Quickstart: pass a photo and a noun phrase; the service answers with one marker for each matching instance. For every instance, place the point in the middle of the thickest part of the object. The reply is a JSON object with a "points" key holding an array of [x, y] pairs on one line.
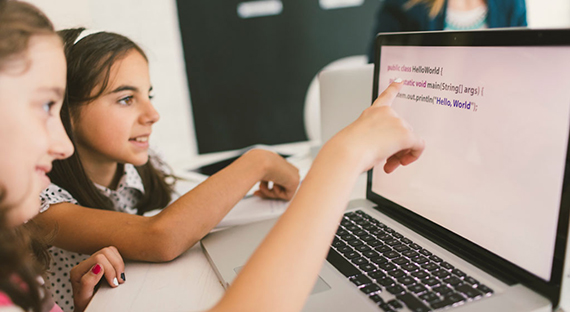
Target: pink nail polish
{"points": [[96, 269]]}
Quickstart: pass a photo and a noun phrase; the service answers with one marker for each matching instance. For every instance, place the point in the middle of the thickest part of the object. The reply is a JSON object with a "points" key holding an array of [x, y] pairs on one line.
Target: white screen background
{"points": [[492, 175]]}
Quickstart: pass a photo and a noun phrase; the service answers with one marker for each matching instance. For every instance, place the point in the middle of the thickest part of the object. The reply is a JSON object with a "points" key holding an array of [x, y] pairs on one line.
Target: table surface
{"points": [[187, 283]]}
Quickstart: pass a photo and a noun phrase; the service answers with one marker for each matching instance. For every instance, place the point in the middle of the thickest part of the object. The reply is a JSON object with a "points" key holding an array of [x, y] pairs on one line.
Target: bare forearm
{"points": [[280, 274], [180, 225], [305, 230], [193, 215]]}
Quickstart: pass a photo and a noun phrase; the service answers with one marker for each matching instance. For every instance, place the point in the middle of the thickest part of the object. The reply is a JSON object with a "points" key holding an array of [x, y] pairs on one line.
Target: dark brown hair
{"points": [[20, 21], [89, 63], [23, 253]]}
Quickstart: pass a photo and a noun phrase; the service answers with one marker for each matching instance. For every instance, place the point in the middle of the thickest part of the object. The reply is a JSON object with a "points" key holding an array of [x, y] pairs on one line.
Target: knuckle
{"points": [[401, 123], [367, 111], [99, 257]]}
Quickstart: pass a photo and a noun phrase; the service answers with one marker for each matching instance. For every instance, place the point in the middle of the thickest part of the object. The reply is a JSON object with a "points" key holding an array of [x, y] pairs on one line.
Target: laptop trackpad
{"points": [[320, 285]]}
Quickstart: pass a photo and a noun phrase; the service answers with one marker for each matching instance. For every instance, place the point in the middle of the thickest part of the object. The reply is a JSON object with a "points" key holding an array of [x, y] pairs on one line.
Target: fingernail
{"points": [[96, 269], [115, 282], [398, 80], [123, 276]]}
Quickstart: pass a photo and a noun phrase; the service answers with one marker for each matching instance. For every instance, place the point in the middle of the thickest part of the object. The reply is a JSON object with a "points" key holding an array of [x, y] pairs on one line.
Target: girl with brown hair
{"points": [[32, 86]]}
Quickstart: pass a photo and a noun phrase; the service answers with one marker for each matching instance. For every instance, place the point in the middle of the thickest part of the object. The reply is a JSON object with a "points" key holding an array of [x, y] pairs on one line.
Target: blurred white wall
{"points": [[154, 25], [548, 13]]}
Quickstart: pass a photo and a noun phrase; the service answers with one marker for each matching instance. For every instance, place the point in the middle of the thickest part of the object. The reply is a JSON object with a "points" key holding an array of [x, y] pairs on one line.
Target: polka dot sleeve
{"points": [[54, 195], [58, 277]]}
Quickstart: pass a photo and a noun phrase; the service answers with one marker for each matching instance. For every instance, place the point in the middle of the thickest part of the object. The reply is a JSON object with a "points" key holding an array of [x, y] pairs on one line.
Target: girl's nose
{"points": [[150, 115], [60, 147]]}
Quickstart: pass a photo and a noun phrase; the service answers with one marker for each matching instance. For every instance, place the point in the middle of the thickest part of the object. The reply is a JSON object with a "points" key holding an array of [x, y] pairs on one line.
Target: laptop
{"points": [[480, 221]]}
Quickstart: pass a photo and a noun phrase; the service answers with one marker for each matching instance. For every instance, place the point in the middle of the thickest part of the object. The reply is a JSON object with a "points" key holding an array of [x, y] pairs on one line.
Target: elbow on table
{"points": [[165, 253], [166, 243]]}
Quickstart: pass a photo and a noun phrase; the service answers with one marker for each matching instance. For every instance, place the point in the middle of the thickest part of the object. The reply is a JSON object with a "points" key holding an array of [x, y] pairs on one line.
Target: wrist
{"points": [[342, 153], [336, 167], [259, 162]]}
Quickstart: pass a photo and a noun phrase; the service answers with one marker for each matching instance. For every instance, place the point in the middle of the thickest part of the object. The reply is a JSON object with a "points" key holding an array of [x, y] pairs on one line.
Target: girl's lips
{"points": [[140, 141], [42, 173], [140, 138]]}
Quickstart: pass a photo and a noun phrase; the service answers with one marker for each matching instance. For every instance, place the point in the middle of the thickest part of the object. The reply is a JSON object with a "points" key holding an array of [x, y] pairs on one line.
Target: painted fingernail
{"points": [[398, 80], [96, 269], [123, 276], [115, 282]]}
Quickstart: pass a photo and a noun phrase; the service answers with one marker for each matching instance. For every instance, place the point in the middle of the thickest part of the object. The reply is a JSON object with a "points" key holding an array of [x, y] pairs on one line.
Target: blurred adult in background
{"points": [[423, 15]]}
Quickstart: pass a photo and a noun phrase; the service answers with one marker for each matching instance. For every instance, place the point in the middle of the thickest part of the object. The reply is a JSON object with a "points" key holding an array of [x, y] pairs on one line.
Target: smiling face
{"points": [[32, 86], [115, 127]]}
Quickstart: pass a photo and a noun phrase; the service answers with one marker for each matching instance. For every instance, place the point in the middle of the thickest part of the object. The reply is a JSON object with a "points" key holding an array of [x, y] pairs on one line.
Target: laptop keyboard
{"points": [[394, 271]]}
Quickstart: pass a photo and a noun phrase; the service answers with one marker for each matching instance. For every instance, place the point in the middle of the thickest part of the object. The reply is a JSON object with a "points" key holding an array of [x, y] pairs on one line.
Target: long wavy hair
{"points": [[435, 6], [89, 63], [23, 252]]}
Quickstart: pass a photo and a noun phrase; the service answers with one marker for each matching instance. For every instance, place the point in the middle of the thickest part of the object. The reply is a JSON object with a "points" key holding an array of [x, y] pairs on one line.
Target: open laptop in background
{"points": [[480, 222]]}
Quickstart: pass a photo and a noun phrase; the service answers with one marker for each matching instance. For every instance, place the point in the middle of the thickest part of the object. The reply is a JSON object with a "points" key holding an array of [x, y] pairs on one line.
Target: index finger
{"points": [[388, 96], [114, 257]]}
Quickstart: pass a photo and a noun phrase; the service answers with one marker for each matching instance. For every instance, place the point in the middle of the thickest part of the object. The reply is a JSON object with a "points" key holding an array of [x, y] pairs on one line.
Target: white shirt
{"points": [[125, 199], [466, 20]]}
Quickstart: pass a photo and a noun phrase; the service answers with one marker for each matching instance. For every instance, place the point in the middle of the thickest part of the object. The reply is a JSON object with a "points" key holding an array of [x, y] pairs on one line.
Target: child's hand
{"points": [[379, 135], [281, 178], [85, 276]]}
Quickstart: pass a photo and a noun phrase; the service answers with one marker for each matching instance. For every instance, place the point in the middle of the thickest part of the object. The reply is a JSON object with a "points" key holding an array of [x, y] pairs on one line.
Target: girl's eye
{"points": [[127, 100], [47, 106]]}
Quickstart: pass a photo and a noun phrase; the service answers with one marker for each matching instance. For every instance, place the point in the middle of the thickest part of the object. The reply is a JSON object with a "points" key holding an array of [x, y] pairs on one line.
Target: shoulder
{"points": [[54, 194], [509, 5], [6, 304], [507, 13], [5, 300]]}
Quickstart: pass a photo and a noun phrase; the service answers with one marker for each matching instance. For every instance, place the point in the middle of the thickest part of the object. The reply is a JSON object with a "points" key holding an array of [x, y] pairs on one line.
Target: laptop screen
{"points": [[496, 121]]}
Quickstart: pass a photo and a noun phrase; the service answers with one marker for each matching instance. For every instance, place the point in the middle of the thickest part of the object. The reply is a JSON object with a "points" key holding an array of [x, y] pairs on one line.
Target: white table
{"points": [[186, 284]]}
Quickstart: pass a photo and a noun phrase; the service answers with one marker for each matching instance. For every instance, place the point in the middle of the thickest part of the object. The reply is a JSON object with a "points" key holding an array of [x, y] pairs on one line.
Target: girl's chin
{"points": [[23, 214], [23, 203], [139, 161]]}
